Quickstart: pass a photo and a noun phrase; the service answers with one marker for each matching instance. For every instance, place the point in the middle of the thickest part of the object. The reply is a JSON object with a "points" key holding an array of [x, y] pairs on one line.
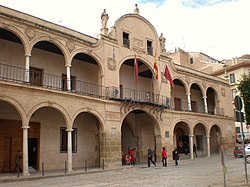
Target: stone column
{"points": [[189, 101], [69, 167], [158, 146], [191, 142], [102, 150], [25, 128], [27, 68], [208, 146], [68, 77], [205, 104]]}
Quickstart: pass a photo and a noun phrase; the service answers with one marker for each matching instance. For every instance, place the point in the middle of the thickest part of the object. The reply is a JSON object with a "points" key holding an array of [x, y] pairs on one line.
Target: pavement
{"points": [[200, 172]]}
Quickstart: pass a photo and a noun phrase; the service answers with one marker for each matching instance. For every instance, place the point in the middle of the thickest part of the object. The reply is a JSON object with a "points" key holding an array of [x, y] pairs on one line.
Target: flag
{"points": [[136, 68], [155, 66], [168, 76]]}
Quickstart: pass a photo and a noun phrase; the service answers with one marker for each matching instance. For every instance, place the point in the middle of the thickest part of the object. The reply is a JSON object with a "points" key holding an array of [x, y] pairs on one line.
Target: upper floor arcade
{"points": [[39, 55]]}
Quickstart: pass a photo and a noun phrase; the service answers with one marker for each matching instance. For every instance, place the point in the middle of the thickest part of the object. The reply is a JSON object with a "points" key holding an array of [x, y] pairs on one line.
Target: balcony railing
{"points": [[19, 75]]}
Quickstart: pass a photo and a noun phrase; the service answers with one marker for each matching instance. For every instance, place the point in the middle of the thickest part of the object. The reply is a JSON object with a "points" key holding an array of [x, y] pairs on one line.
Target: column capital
{"points": [[191, 135], [68, 65], [69, 130], [27, 55], [204, 97], [25, 127], [208, 136], [188, 93]]}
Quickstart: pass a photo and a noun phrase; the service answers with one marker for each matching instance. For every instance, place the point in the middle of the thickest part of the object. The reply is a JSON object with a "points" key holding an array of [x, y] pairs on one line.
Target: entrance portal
{"points": [[32, 151]]}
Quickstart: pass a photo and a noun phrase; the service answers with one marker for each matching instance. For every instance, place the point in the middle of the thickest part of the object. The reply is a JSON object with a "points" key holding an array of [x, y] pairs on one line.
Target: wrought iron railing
{"points": [[19, 75]]}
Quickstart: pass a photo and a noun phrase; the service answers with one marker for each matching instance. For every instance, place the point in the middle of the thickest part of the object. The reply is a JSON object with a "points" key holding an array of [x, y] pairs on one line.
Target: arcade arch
{"points": [[215, 139], [139, 131]]}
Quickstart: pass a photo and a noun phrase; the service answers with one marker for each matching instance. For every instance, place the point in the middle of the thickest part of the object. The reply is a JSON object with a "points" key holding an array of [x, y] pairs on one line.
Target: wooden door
{"points": [[7, 154]]}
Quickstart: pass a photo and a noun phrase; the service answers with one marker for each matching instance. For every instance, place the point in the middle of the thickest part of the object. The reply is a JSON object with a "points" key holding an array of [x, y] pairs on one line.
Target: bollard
{"points": [[18, 170], [65, 166], [85, 165], [103, 164], [42, 169]]}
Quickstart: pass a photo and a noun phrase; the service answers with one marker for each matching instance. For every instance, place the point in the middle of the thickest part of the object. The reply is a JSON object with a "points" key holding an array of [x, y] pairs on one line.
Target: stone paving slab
{"points": [[200, 172]]}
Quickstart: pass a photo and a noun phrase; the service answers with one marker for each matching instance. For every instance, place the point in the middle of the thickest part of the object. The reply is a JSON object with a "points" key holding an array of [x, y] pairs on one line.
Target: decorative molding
{"points": [[139, 51], [111, 64], [223, 92]]}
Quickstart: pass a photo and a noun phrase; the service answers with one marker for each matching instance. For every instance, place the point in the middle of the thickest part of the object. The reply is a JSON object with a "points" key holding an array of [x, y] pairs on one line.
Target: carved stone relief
{"points": [[70, 45], [137, 43], [111, 64], [30, 33]]}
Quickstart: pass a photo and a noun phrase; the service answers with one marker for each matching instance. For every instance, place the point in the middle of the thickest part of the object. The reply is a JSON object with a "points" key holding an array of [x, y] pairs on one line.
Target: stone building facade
{"points": [[66, 97]]}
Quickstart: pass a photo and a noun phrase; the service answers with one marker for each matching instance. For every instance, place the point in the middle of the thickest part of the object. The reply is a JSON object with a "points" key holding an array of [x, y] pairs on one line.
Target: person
{"points": [[132, 156], [164, 157], [194, 149], [104, 18], [150, 156], [18, 158], [176, 156], [185, 148]]}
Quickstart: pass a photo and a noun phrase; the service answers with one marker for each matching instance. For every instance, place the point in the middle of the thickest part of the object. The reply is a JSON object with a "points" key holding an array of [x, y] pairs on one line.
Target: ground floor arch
{"points": [[139, 131], [200, 140], [215, 139], [181, 137], [87, 127]]}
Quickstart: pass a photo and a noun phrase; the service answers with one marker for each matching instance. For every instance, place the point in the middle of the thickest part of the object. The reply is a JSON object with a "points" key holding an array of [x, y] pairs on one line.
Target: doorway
{"points": [[32, 151], [7, 154]]}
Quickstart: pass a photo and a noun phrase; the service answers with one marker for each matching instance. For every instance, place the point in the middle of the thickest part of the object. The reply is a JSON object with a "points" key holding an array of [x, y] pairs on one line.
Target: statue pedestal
{"points": [[104, 31]]}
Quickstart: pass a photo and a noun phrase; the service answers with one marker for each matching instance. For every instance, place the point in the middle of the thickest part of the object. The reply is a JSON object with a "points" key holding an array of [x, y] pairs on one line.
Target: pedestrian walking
{"points": [[132, 156], [18, 158], [176, 156], [164, 157], [150, 156], [194, 149]]}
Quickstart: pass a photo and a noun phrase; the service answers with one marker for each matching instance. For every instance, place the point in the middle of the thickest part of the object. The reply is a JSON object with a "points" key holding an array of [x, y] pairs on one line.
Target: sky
{"points": [[218, 28]]}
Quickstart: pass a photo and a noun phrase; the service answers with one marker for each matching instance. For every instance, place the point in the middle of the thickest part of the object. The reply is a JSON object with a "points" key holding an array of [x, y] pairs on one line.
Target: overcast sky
{"points": [[218, 28]]}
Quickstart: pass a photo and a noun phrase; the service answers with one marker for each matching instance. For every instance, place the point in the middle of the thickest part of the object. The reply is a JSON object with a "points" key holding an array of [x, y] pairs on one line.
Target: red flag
{"points": [[168, 76], [136, 68], [155, 66]]}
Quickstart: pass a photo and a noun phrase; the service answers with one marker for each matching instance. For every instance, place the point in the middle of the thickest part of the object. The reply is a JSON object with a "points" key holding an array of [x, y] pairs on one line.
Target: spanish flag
{"points": [[155, 66]]}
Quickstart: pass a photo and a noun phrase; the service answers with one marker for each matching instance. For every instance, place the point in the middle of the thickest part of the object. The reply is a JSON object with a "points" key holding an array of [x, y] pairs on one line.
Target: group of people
{"points": [[164, 156]]}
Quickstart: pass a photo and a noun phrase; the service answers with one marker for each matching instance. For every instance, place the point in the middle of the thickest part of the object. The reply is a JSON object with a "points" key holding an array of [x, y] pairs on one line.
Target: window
{"points": [[194, 106], [232, 78], [234, 92], [64, 82], [191, 60], [64, 140], [149, 48], [36, 76], [125, 40], [237, 129], [177, 103]]}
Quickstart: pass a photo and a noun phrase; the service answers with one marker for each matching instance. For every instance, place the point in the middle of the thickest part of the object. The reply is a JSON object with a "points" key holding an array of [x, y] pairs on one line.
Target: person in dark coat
{"points": [[18, 158], [194, 149], [150, 156], [176, 156]]}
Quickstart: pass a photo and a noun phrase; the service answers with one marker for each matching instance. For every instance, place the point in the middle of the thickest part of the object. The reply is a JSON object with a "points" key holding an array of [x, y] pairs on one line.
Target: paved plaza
{"points": [[200, 172]]}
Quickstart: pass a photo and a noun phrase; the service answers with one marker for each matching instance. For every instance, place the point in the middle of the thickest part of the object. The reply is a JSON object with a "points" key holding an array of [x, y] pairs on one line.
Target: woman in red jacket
{"points": [[164, 156]]}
